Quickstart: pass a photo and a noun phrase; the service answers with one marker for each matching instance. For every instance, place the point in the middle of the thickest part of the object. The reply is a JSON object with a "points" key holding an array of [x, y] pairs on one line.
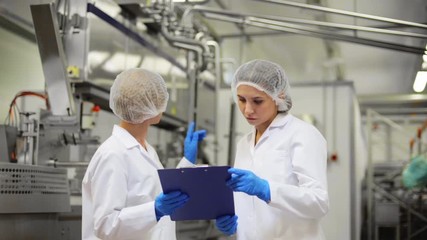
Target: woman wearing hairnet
{"points": [[121, 191], [279, 174]]}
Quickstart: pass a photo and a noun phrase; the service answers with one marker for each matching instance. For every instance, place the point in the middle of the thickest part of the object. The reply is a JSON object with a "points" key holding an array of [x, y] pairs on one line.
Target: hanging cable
{"points": [[13, 113]]}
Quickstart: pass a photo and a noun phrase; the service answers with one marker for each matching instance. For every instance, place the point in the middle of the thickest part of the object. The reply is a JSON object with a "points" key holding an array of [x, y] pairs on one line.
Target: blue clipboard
{"points": [[209, 195]]}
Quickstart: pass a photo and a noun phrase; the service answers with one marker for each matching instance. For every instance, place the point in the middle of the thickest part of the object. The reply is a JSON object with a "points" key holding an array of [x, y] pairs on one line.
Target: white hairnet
{"points": [[137, 95], [265, 76]]}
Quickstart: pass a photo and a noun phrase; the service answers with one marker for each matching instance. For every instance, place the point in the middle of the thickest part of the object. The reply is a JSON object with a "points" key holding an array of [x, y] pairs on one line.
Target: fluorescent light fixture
{"points": [[121, 61], [207, 76], [156, 64], [96, 58], [425, 58], [110, 8], [420, 81], [177, 72], [163, 66], [141, 26]]}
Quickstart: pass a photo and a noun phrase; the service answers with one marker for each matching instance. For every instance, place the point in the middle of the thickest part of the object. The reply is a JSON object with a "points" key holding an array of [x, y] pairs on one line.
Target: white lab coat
{"points": [[119, 189], [291, 156]]}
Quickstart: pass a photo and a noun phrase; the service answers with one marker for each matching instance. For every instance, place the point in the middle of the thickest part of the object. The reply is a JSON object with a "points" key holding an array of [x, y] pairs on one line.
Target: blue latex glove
{"points": [[166, 203], [249, 183], [227, 224], [191, 142]]}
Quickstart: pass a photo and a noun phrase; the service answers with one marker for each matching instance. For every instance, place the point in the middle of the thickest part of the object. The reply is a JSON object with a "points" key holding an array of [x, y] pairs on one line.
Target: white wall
{"points": [[21, 69]]}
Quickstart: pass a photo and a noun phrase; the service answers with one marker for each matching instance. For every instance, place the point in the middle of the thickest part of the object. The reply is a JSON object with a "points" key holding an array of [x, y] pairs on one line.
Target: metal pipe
{"points": [[191, 48], [55, 163], [187, 17], [231, 130], [215, 45], [396, 126], [193, 87], [370, 172], [388, 139], [346, 13], [311, 22], [324, 35], [231, 135], [341, 26], [135, 36], [251, 34], [355, 191], [199, 37], [173, 39], [418, 232], [399, 201], [409, 225], [185, 43]]}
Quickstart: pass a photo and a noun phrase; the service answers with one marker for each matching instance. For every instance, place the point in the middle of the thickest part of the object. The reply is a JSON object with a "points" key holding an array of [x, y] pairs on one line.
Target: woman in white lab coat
{"points": [[121, 193], [279, 174]]}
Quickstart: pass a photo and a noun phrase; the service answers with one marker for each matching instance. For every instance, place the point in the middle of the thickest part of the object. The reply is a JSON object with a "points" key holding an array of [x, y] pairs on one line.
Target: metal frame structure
{"points": [[62, 127], [128, 32], [298, 26], [375, 184]]}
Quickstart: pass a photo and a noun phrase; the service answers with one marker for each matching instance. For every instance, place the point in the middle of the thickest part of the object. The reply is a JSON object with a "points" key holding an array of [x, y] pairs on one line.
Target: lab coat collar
{"points": [[125, 137], [280, 120]]}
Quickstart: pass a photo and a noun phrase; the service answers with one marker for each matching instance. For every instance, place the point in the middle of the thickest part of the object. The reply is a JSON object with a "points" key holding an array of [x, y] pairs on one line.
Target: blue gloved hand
{"points": [[227, 224], [247, 182], [166, 203], [191, 142]]}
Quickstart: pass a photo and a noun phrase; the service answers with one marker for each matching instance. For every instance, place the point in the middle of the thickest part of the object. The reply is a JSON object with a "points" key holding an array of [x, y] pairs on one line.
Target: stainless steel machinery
{"points": [[41, 178]]}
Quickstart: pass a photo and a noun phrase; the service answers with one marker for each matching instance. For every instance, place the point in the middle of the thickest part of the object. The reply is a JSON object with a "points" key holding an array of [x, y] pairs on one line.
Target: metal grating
{"points": [[28, 188]]}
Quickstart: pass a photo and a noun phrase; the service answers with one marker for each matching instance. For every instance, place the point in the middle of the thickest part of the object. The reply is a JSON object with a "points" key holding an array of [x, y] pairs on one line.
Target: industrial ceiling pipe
{"points": [[346, 13], [302, 30], [278, 19]]}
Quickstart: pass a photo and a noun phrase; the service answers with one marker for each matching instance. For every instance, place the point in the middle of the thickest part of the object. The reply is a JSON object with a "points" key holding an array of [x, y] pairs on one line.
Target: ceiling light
{"points": [[96, 58], [420, 81], [141, 26], [121, 61], [207, 76], [156, 64], [177, 72], [110, 8]]}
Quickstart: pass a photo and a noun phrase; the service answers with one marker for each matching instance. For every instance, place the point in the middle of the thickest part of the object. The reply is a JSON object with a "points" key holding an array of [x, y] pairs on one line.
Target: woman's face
{"points": [[257, 107]]}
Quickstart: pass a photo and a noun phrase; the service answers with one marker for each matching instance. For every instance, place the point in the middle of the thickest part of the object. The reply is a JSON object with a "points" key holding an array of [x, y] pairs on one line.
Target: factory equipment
{"points": [[44, 155], [395, 206], [415, 173], [8, 135], [32, 198]]}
